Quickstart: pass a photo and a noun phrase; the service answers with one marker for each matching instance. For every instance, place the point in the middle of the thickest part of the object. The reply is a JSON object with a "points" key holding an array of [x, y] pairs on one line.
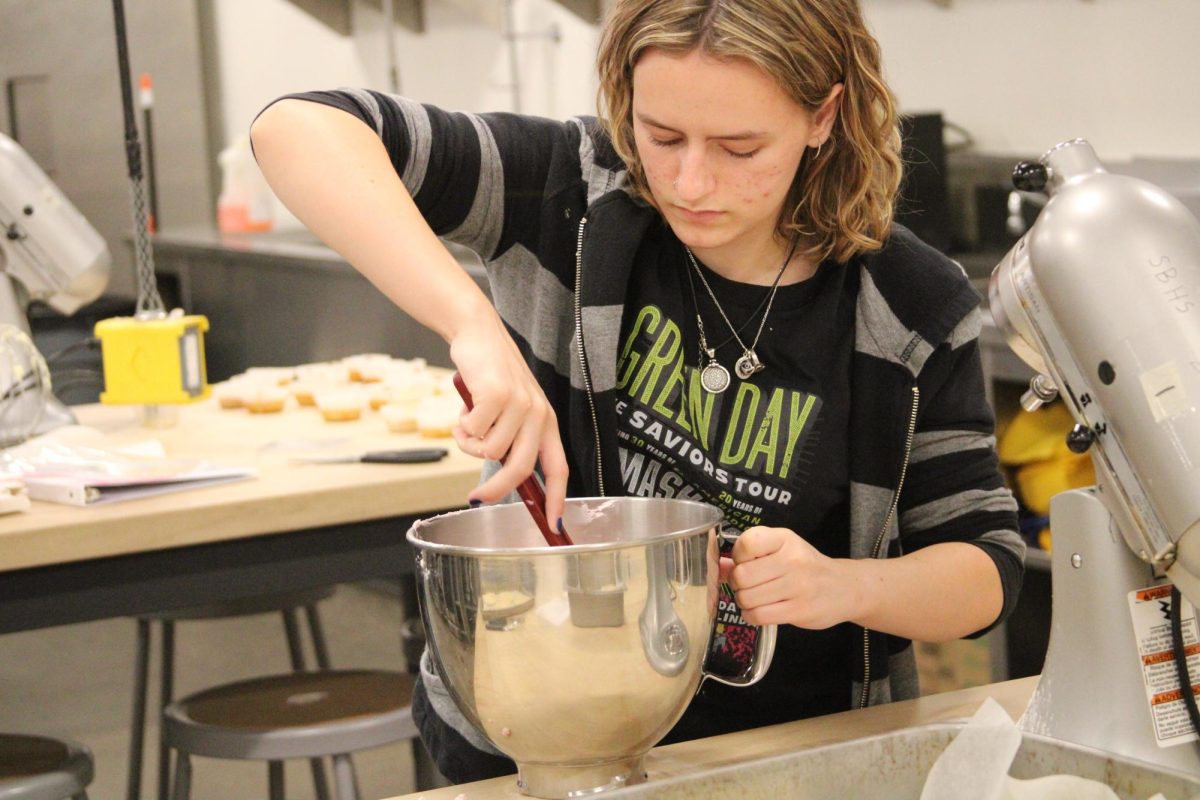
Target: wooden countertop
{"points": [[688, 758], [286, 496]]}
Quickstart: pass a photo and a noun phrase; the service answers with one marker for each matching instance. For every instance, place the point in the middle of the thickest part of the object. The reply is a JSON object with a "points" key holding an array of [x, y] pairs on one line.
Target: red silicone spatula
{"points": [[530, 490]]}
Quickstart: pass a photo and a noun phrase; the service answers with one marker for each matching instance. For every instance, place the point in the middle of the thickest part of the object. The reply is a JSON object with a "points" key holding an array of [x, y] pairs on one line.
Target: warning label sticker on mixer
{"points": [[1151, 610]]}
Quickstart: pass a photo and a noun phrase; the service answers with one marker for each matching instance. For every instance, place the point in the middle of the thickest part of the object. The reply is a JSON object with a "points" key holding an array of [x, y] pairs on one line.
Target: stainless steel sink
{"points": [[894, 766]]}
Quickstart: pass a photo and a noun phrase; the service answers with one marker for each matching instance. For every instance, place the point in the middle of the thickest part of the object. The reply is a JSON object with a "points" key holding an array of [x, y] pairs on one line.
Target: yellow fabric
{"points": [[1041, 480], [1036, 436], [1035, 446], [1043, 540]]}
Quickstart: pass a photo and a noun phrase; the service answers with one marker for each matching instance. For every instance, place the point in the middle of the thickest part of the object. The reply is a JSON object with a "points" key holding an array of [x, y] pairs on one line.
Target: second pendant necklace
{"points": [[714, 377]]}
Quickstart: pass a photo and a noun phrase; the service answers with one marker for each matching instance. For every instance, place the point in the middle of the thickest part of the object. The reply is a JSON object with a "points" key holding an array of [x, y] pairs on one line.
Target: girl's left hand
{"points": [[779, 578]]}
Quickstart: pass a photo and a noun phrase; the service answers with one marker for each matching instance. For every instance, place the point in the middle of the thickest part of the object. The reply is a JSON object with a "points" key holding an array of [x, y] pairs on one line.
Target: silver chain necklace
{"points": [[713, 376]]}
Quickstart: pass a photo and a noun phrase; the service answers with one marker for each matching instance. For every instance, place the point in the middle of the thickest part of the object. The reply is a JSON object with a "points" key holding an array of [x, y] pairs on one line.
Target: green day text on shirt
{"points": [[741, 450]]}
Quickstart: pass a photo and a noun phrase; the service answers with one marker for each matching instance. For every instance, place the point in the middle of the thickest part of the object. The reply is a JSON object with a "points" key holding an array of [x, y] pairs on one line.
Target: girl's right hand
{"points": [[511, 418]]}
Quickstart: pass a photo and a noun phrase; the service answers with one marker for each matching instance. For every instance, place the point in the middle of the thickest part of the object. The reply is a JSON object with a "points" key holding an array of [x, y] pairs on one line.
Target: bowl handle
{"points": [[760, 661], [739, 654]]}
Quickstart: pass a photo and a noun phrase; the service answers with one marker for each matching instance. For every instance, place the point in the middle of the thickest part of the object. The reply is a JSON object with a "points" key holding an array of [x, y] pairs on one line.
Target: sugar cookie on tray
{"points": [[378, 395], [264, 399], [279, 376], [340, 405], [229, 393], [366, 367], [305, 391], [438, 416], [400, 417]]}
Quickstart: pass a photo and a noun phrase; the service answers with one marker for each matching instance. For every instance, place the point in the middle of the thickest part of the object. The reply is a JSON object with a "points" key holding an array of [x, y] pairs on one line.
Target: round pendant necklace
{"points": [[714, 377]]}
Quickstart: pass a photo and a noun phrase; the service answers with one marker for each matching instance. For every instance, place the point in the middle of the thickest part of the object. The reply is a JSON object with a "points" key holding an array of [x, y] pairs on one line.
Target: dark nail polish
{"points": [[560, 527], [474, 503]]}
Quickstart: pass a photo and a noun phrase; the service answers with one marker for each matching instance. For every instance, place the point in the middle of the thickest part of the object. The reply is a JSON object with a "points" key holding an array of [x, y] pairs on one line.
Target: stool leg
{"points": [[318, 636], [344, 779], [275, 779], [317, 632], [167, 691], [182, 789], [137, 726], [291, 624]]}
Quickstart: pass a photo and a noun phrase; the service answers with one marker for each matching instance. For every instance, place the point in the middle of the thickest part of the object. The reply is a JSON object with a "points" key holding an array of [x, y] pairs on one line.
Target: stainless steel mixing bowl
{"points": [[574, 661]]}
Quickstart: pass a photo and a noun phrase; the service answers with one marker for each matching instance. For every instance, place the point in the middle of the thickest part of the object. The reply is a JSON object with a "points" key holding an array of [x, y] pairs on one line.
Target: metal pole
{"points": [[149, 303], [514, 74], [389, 36]]}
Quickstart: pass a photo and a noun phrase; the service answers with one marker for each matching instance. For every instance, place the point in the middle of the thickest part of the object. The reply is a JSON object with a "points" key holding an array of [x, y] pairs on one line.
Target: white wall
{"points": [[1022, 75], [1019, 75], [269, 47]]}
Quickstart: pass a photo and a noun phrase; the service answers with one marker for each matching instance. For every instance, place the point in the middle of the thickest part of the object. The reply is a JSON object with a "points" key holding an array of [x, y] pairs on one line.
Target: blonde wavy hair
{"points": [[841, 200]]}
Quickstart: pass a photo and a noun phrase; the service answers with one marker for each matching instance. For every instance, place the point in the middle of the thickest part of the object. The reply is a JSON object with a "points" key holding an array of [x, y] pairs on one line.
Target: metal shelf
{"points": [[337, 14]]}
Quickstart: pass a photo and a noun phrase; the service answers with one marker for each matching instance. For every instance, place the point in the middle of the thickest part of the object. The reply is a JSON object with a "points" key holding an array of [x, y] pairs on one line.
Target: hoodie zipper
{"points": [[908, 442], [583, 366]]}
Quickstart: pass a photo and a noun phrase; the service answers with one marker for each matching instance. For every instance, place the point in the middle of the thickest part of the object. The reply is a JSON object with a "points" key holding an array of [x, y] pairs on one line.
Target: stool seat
{"points": [[288, 602], [294, 715], [40, 768]]}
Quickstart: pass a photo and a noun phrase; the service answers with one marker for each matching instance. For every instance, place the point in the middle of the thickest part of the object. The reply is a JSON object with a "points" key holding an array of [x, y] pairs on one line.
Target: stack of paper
{"points": [[60, 468]]}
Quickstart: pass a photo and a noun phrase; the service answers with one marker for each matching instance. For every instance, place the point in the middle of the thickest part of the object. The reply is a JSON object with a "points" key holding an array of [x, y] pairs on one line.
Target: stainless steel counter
{"points": [[285, 298], [700, 760]]}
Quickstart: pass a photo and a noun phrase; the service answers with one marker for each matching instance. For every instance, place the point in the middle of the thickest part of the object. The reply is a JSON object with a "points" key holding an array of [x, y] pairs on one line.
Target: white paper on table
{"points": [[75, 466], [14, 498], [81, 490], [976, 763]]}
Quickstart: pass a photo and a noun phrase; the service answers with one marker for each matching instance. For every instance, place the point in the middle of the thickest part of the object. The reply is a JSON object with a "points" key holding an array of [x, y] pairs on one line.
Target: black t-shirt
{"points": [[770, 450]]}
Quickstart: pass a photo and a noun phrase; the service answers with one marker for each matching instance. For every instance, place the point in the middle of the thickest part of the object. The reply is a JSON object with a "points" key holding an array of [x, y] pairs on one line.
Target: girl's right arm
{"points": [[335, 175]]}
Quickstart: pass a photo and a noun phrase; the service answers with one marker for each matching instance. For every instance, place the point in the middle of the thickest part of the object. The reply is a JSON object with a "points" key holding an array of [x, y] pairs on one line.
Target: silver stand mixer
{"points": [[1102, 298], [48, 252]]}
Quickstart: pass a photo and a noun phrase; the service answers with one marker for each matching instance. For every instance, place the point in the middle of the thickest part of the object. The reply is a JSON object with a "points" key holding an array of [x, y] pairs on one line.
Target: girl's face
{"points": [[720, 143]]}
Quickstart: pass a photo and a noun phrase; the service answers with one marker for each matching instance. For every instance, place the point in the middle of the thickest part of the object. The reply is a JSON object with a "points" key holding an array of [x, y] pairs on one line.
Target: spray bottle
{"points": [[245, 202]]}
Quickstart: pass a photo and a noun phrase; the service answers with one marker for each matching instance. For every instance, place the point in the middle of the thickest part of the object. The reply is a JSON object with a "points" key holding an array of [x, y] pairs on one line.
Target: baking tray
{"points": [[893, 766]]}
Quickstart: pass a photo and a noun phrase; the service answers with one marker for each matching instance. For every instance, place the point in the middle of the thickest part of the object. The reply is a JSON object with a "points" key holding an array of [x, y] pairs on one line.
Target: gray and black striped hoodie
{"points": [[546, 206]]}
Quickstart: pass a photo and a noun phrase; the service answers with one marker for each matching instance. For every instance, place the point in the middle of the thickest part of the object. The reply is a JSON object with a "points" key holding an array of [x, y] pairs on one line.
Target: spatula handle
{"points": [[530, 490]]}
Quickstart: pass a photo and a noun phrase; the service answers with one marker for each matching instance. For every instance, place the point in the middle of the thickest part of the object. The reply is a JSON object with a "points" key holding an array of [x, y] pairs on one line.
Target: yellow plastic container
{"points": [[153, 361]]}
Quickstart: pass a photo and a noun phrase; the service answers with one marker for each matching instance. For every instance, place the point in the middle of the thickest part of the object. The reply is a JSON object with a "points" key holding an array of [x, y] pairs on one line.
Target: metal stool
{"points": [[38, 768], [296, 715], [288, 604]]}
